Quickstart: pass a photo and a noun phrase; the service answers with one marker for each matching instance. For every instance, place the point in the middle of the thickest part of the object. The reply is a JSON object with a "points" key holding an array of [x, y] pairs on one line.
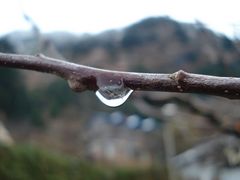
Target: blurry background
{"points": [[49, 132]]}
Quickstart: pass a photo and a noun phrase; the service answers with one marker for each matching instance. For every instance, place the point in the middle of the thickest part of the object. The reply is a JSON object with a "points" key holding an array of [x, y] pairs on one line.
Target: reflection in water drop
{"points": [[113, 96]]}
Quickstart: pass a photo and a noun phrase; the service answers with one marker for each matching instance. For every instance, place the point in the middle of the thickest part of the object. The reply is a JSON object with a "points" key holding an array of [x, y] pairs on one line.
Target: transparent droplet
{"points": [[113, 95]]}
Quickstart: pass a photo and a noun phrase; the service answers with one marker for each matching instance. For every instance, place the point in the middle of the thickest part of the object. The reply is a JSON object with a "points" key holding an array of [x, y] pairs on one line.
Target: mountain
{"points": [[157, 44]]}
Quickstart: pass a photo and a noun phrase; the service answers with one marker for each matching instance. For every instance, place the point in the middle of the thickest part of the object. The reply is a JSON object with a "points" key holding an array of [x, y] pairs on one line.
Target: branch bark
{"points": [[82, 78]]}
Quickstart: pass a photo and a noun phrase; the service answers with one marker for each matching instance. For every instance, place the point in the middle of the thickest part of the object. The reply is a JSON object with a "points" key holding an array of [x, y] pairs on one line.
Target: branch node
{"points": [[76, 85], [178, 76]]}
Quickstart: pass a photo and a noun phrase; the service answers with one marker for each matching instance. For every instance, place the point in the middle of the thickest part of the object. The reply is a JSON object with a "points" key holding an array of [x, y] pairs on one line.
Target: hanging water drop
{"points": [[112, 91], [113, 97]]}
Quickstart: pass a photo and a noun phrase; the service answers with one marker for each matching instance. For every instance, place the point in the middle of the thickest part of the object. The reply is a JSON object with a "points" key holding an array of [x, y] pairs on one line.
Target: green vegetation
{"points": [[27, 163], [55, 97]]}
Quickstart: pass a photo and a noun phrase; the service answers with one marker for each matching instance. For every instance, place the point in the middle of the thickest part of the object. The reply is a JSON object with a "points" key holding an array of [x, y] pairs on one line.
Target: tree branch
{"points": [[210, 116], [82, 78]]}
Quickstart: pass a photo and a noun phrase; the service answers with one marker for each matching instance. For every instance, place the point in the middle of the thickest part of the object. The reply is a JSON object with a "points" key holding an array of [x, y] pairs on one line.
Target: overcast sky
{"points": [[93, 16]]}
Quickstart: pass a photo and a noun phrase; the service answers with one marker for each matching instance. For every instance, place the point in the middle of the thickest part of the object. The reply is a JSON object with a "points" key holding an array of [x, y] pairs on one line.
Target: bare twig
{"points": [[82, 78], [210, 116], [187, 104]]}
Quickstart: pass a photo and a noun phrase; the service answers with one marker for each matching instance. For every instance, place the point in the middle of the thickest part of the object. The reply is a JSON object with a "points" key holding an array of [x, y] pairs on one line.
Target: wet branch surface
{"points": [[81, 78]]}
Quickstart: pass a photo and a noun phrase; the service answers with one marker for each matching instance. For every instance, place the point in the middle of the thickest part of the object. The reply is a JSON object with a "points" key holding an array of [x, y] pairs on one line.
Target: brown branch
{"points": [[187, 104], [210, 116], [82, 78]]}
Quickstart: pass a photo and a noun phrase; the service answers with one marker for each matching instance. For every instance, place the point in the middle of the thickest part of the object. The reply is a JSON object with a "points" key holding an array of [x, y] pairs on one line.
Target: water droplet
{"points": [[113, 97], [112, 90]]}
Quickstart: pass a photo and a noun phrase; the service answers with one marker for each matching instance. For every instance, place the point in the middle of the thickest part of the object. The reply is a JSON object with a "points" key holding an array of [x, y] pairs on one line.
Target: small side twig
{"points": [[82, 78], [215, 121]]}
